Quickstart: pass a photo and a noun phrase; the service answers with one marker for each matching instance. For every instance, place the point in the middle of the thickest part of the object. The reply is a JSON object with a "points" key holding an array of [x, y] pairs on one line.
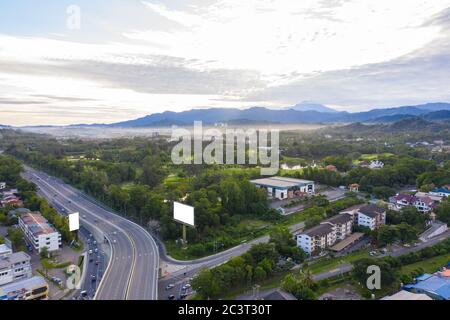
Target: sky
{"points": [[102, 61]]}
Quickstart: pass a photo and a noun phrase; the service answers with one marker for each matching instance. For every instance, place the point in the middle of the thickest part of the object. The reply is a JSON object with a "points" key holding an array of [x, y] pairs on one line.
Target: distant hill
{"points": [[307, 106], [416, 124], [289, 115]]}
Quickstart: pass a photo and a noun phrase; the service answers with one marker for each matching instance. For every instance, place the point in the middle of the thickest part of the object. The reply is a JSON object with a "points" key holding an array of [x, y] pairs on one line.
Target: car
{"points": [[90, 235], [93, 278], [69, 201], [90, 251], [170, 286], [182, 296], [95, 220], [171, 297], [95, 242], [186, 286], [90, 259], [115, 233], [114, 241], [83, 293], [84, 216], [97, 263], [95, 250]]}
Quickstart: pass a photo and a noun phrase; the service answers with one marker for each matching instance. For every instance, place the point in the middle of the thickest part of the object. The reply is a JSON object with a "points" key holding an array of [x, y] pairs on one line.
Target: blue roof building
{"points": [[436, 286]]}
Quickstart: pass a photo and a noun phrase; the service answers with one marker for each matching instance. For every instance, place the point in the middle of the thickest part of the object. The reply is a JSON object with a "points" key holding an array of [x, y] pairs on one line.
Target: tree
{"points": [[259, 274], [389, 272], [443, 211], [207, 284], [387, 235]]}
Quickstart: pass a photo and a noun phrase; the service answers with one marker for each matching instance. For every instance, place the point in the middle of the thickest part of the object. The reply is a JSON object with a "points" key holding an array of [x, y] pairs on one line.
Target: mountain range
{"points": [[300, 113]]}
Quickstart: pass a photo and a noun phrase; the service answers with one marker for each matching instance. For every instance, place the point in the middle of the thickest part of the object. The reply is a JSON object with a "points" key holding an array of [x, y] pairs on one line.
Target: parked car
{"points": [[170, 286], [171, 297]]}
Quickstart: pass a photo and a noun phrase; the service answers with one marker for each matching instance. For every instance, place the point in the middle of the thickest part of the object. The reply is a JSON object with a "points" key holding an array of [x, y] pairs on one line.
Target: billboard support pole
{"points": [[184, 234]]}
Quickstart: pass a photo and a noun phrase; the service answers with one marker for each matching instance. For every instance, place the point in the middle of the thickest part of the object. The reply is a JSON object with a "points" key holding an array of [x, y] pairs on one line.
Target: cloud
{"points": [[232, 53]]}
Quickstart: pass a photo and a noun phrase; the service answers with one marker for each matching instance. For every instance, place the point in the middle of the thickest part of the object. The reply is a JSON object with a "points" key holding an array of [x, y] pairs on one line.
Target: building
{"points": [[436, 286], [325, 235], [39, 232], [371, 216], [433, 197], [285, 188], [354, 187], [317, 238], [406, 295], [442, 192], [14, 266], [5, 250], [27, 289], [342, 225], [376, 164], [424, 204], [2, 185], [421, 201], [331, 167], [353, 211]]}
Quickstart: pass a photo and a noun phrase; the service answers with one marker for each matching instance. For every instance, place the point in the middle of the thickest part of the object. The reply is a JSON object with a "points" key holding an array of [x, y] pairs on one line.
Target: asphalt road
{"points": [[132, 269]]}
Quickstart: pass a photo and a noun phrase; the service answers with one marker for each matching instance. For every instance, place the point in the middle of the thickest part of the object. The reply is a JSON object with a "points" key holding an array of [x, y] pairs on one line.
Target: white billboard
{"points": [[183, 213], [74, 221]]}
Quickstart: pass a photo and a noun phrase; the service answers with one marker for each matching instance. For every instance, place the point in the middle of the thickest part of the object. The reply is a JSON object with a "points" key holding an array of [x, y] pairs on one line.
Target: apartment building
{"points": [[342, 225], [317, 238], [39, 232], [371, 216], [326, 234], [14, 266]]}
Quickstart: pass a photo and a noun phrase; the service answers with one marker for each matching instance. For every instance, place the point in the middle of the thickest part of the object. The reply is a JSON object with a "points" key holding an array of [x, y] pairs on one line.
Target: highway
{"points": [[132, 269]]}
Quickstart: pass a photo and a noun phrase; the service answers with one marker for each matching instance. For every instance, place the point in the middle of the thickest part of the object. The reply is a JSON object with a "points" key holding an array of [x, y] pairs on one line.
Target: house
{"points": [[2, 185], [354, 187], [421, 203], [10, 198], [371, 216], [442, 192], [433, 197], [39, 232], [284, 188], [376, 164], [14, 266], [331, 167], [364, 164], [424, 204]]}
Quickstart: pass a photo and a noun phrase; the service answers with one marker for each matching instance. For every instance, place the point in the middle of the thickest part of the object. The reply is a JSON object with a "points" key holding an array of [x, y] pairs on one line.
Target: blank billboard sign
{"points": [[74, 221], [183, 213]]}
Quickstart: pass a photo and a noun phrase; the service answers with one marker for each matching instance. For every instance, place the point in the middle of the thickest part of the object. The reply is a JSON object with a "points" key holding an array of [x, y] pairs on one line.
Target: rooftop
{"points": [[7, 261], [26, 284], [37, 223], [438, 285], [406, 295], [320, 230], [281, 182], [340, 218], [347, 241], [371, 210]]}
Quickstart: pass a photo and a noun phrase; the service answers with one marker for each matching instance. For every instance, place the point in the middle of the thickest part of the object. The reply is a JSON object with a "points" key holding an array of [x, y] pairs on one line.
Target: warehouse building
{"points": [[285, 188]]}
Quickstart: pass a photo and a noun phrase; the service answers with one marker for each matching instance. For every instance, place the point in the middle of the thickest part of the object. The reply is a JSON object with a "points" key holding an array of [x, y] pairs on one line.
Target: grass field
{"points": [[327, 264], [429, 266]]}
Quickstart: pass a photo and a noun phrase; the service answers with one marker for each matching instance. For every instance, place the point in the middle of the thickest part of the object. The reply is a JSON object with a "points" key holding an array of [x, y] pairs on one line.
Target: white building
{"points": [[316, 238], [326, 234], [39, 232], [2, 185], [5, 250], [376, 164], [14, 266], [284, 188], [371, 216], [26, 289]]}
